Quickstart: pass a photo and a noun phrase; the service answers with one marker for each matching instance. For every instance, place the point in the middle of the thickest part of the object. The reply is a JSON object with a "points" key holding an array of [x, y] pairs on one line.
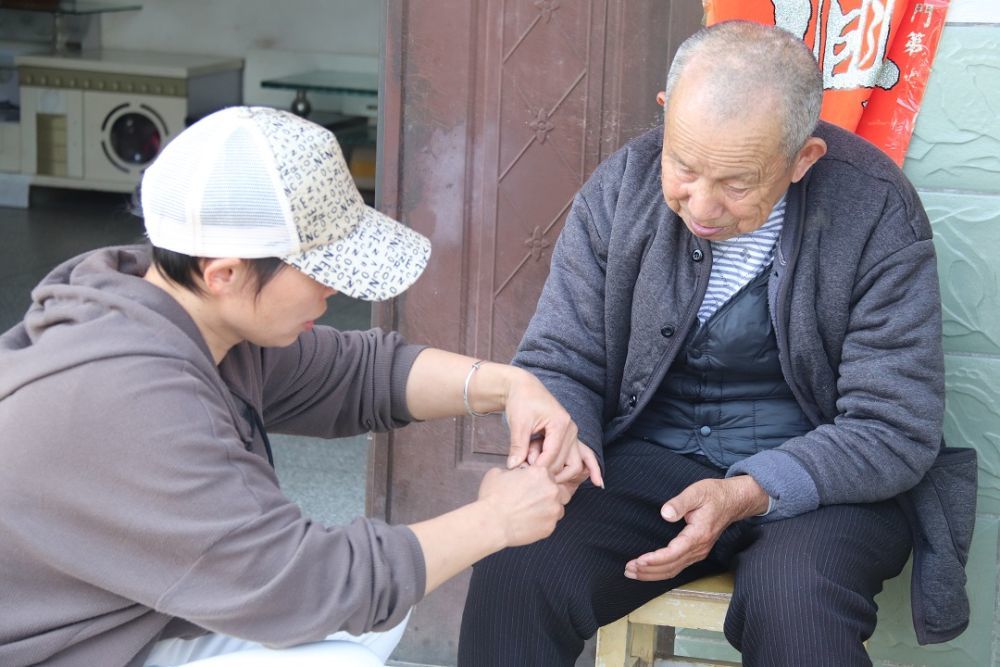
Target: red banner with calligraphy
{"points": [[875, 56]]}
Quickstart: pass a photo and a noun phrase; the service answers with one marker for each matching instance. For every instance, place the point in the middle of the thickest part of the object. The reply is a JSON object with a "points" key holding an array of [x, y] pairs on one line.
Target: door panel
{"points": [[542, 64], [494, 113]]}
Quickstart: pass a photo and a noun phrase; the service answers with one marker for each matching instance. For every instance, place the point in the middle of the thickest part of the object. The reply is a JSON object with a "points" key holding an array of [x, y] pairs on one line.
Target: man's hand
{"points": [[571, 476], [542, 433], [708, 507]]}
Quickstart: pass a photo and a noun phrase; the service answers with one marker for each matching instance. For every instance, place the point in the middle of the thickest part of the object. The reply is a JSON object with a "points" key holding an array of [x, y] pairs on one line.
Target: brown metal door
{"points": [[494, 113]]}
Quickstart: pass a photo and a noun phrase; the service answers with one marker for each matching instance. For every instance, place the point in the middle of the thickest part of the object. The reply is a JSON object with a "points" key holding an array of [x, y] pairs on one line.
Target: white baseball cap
{"points": [[254, 182]]}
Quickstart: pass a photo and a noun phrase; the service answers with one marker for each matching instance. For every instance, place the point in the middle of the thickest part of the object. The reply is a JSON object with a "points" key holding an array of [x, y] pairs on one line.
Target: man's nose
{"points": [[703, 203]]}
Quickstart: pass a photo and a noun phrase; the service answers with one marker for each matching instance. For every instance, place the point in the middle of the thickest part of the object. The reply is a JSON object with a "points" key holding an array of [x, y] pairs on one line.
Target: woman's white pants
{"points": [[371, 649]]}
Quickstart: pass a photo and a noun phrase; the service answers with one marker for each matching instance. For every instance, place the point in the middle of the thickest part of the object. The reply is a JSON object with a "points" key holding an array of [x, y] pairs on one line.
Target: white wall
{"points": [[223, 27], [274, 38], [974, 11], [233, 27]]}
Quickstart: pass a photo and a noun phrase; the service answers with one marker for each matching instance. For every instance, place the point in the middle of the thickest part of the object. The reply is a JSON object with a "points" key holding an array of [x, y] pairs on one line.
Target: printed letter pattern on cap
{"points": [[261, 182]]}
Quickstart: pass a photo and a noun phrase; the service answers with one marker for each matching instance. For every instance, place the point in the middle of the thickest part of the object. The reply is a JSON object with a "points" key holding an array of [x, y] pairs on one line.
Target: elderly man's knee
{"points": [[529, 576], [774, 598]]}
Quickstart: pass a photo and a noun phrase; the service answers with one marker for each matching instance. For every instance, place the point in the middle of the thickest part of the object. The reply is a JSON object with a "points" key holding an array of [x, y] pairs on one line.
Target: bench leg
{"points": [[642, 643], [611, 641]]}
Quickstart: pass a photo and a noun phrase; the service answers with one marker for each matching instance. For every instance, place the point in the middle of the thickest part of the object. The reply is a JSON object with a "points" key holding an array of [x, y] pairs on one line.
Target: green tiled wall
{"points": [[972, 419], [956, 142], [894, 643], [954, 161], [967, 239]]}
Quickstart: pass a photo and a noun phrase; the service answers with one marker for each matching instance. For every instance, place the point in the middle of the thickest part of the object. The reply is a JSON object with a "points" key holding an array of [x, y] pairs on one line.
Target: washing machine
{"points": [[96, 120], [125, 133]]}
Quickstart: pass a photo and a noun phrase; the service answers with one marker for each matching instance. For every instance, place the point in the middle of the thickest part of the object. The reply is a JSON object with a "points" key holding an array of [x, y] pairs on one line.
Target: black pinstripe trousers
{"points": [[804, 586]]}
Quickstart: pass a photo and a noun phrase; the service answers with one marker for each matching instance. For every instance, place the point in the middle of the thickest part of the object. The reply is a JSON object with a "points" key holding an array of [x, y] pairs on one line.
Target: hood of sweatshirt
{"points": [[83, 299]]}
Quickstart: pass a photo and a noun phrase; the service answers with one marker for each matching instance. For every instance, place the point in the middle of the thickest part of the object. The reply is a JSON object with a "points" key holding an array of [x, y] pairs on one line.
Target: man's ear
{"points": [[661, 97], [223, 275], [814, 149]]}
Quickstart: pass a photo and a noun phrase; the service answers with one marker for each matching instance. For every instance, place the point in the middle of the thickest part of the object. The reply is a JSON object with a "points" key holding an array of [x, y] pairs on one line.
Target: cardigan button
{"points": [[697, 255], [667, 331], [632, 400]]}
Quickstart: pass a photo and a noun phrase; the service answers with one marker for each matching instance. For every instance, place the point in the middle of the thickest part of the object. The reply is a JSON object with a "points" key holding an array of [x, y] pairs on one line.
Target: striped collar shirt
{"points": [[737, 261]]}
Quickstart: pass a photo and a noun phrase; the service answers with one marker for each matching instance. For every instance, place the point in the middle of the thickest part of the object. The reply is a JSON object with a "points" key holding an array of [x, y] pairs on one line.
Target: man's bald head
{"points": [[740, 68]]}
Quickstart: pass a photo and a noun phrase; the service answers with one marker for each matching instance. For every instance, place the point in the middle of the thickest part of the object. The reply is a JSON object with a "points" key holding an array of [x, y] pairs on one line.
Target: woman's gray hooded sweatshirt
{"points": [[136, 499]]}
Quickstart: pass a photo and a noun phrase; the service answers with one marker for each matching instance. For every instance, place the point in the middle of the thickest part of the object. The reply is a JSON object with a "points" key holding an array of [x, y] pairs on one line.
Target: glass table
{"points": [[324, 81], [356, 134], [69, 6], [63, 8]]}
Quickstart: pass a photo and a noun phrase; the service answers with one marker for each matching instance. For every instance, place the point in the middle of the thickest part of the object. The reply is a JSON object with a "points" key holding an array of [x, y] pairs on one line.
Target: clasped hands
{"points": [[543, 434], [546, 463]]}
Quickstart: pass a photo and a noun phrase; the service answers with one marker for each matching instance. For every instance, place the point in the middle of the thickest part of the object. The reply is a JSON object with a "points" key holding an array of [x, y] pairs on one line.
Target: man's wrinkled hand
{"points": [[708, 507], [579, 466]]}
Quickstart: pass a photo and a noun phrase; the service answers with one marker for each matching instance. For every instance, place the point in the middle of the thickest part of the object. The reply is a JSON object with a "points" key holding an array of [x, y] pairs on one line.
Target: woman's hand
{"points": [[542, 433], [443, 384], [515, 507], [526, 501]]}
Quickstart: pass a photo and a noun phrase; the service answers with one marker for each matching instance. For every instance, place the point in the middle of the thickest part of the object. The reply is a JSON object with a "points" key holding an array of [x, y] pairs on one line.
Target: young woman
{"points": [[141, 521]]}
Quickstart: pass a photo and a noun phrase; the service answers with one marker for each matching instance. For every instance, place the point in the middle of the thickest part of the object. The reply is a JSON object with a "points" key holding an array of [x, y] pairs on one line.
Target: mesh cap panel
{"points": [[250, 215]]}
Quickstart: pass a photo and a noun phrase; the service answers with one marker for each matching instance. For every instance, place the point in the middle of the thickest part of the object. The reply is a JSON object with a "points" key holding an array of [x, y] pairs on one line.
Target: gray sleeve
{"points": [[255, 566], [281, 580], [164, 506], [564, 345], [334, 383]]}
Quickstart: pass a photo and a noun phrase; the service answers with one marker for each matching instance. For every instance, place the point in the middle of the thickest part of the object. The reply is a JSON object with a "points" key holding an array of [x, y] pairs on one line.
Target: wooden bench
{"points": [[632, 639]]}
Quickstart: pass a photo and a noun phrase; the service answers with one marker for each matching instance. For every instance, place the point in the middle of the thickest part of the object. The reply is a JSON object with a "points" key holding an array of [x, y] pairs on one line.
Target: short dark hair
{"points": [[183, 270]]}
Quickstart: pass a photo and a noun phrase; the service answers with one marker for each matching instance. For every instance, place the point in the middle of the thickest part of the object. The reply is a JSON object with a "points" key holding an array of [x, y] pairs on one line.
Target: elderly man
{"points": [[743, 318]]}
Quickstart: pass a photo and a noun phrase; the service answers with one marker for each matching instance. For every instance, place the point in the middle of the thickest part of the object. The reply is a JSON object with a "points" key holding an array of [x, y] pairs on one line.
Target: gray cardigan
{"points": [[854, 300]]}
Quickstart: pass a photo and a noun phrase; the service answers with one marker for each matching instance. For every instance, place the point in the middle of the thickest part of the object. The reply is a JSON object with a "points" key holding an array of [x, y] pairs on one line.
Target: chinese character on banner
{"points": [[875, 56]]}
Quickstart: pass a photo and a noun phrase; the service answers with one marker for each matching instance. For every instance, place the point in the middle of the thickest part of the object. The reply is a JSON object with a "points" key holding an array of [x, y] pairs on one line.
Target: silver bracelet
{"points": [[465, 391]]}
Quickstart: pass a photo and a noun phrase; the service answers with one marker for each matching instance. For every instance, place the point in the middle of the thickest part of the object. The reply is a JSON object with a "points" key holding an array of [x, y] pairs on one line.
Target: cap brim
{"points": [[377, 261]]}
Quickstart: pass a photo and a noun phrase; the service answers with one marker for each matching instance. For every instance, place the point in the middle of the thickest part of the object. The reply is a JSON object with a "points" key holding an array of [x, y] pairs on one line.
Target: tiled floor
{"points": [[327, 478]]}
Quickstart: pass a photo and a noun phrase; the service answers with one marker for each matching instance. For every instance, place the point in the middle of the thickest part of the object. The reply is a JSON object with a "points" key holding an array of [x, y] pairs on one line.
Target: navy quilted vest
{"points": [[725, 396]]}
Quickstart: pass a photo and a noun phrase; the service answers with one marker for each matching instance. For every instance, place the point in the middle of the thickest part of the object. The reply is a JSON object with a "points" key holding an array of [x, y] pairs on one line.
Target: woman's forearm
{"points": [[514, 507], [454, 541], [434, 388]]}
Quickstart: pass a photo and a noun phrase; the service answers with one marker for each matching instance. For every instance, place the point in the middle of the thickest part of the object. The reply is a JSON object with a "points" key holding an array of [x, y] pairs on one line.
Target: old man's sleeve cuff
{"points": [[784, 479]]}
